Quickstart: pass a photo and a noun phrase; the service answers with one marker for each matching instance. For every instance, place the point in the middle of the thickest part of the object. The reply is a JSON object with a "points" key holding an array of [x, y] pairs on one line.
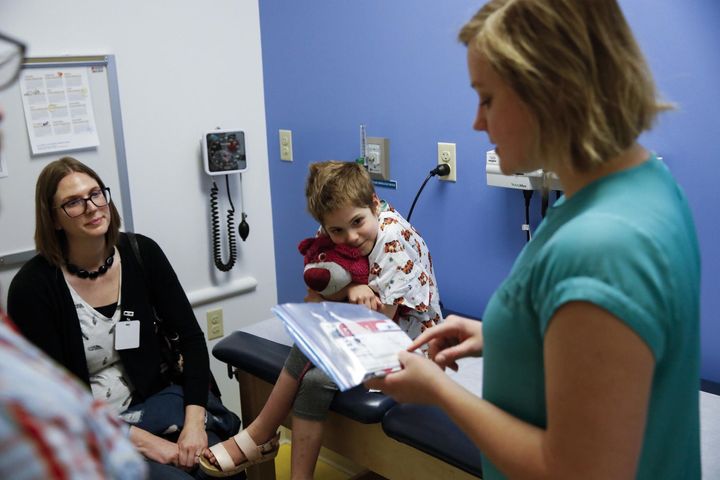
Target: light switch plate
{"points": [[286, 148]]}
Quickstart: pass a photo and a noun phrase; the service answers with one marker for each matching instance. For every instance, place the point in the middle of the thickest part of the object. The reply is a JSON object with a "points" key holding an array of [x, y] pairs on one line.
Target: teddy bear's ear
{"points": [[305, 245]]}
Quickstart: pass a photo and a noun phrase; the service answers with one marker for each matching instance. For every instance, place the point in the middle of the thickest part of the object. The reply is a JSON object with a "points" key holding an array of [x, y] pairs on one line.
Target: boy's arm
{"points": [[359, 294], [313, 296], [362, 294], [339, 296], [389, 310]]}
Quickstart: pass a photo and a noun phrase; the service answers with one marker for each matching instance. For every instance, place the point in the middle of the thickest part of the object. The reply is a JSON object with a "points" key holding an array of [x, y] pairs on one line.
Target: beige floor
{"points": [[325, 469]]}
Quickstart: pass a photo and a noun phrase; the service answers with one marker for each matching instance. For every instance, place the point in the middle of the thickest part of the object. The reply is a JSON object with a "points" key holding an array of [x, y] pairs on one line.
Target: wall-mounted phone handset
{"points": [[224, 154]]}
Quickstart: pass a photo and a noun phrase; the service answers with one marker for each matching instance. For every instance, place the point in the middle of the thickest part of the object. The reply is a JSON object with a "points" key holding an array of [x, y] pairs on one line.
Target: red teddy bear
{"points": [[330, 267]]}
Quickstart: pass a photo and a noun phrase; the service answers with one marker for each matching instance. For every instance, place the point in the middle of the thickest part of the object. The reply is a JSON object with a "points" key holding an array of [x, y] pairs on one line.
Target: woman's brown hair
{"points": [[50, 242], [577, 66]]}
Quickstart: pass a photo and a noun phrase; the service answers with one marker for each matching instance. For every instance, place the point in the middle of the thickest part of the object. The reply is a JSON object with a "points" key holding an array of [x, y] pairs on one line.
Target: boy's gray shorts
{"points": [[316, 390]]}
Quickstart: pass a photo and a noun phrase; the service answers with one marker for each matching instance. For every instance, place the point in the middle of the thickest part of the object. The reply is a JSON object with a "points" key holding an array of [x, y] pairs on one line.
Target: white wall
{"points": [[184, 67]]}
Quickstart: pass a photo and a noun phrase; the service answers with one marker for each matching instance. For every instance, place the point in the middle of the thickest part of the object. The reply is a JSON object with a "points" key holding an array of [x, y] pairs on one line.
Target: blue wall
{"points": [[396, 66]]}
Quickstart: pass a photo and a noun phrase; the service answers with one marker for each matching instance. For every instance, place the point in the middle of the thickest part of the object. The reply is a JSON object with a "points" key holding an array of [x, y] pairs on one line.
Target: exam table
{"points": [[369, 428], [393, 440]]}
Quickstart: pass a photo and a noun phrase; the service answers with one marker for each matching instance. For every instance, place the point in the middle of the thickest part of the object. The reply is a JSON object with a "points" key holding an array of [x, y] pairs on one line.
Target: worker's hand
{"points": [[455, 338], [420, 380], [363, 295]]}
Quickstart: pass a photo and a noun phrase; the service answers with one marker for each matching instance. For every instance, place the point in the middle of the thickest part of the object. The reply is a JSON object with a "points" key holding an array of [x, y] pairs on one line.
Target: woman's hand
{"points": [[363, 295], [193, 438], [419, 381], [457, 337], [163, 451], [153, 447]]}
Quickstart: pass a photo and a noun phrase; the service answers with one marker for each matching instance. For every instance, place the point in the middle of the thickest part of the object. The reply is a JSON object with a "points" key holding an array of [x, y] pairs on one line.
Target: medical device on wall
{"points": [[375, 157], [362, 159], [527, 182], [224, 154], [523, 181]]}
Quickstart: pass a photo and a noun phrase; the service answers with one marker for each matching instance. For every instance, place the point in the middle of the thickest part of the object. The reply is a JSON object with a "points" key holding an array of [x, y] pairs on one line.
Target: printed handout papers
{"points": [[350, 343], [58, 109]]}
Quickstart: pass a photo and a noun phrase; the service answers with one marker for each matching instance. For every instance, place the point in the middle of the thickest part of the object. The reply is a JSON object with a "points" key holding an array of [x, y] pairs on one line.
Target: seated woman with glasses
{"points": [[88, 299], [41, 404]]}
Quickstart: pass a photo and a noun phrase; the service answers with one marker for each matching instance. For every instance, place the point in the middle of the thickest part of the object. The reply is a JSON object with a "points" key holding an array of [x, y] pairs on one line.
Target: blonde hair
{"points": [[577, 66], [50, 242], [333, 185]]}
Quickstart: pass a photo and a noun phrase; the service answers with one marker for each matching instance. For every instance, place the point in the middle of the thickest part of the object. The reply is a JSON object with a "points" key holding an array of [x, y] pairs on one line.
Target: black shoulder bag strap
{"points": [[168, 341], [136, 249], [171, 339]]}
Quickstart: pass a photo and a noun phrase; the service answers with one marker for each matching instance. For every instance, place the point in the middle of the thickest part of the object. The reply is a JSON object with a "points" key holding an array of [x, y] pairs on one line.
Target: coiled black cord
{"points": [[217, 244]]}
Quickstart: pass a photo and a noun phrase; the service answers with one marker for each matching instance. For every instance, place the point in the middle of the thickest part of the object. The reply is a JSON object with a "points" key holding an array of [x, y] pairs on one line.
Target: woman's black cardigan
{"points": [[39, 302]]}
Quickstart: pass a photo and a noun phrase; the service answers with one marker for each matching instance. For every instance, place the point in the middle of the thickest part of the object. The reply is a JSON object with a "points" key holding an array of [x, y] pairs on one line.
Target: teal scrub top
{"points": [[627, 244]]}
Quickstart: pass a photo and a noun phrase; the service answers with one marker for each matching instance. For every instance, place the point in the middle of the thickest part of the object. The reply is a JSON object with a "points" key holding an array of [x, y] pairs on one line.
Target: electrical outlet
{"points": [[446, 155], [214, 323], [286, 150]]}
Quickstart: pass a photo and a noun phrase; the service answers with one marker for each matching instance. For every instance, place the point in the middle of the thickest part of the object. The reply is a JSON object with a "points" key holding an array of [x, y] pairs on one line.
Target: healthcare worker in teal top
{"points": [[591, 345]]}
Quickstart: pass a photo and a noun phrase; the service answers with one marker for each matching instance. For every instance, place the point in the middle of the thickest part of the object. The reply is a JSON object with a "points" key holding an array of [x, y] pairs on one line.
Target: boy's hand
{"points": [[363, 295]]}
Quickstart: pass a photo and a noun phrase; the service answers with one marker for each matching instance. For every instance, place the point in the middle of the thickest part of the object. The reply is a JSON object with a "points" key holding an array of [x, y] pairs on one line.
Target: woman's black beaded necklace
{"points": [[77, 271]]}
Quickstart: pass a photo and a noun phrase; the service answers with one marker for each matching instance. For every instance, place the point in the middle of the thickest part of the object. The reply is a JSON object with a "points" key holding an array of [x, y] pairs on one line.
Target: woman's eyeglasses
{"points": [[78, 206], [12, 54]]}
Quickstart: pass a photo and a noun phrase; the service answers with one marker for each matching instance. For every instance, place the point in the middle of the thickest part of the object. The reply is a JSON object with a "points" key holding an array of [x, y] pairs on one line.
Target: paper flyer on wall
{"points": [[350, 343], [58, 109]]}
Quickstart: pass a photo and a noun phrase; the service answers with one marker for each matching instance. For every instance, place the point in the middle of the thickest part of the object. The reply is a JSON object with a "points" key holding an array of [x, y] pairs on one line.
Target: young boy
{"points": [[401, 284]]}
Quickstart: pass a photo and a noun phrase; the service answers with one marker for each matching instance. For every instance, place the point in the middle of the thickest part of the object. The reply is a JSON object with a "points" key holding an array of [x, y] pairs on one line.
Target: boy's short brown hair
{"points": [[332, 185]]}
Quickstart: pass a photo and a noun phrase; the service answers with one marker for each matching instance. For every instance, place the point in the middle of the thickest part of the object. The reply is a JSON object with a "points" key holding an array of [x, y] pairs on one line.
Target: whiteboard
{"points": [[17, 189]]}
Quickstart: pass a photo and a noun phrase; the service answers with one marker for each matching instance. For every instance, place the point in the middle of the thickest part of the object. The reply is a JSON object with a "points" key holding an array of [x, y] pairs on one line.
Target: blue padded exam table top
{"points": [[265, 358]]}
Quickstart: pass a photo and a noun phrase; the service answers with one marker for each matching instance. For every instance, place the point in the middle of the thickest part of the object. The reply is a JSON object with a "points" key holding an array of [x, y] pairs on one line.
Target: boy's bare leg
{"points": [[306, 442], [273, 413]]}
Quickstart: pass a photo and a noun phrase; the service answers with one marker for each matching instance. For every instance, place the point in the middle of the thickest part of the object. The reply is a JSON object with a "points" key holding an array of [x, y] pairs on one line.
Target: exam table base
{"points": [[364, 444]]}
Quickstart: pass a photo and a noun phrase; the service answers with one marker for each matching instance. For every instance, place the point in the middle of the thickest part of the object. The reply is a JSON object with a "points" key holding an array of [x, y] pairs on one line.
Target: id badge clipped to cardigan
{"points": [[127, 333]]}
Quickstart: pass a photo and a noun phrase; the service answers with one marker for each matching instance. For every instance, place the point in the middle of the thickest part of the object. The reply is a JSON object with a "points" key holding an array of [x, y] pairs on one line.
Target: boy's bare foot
{"points": [[233, 450]]}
